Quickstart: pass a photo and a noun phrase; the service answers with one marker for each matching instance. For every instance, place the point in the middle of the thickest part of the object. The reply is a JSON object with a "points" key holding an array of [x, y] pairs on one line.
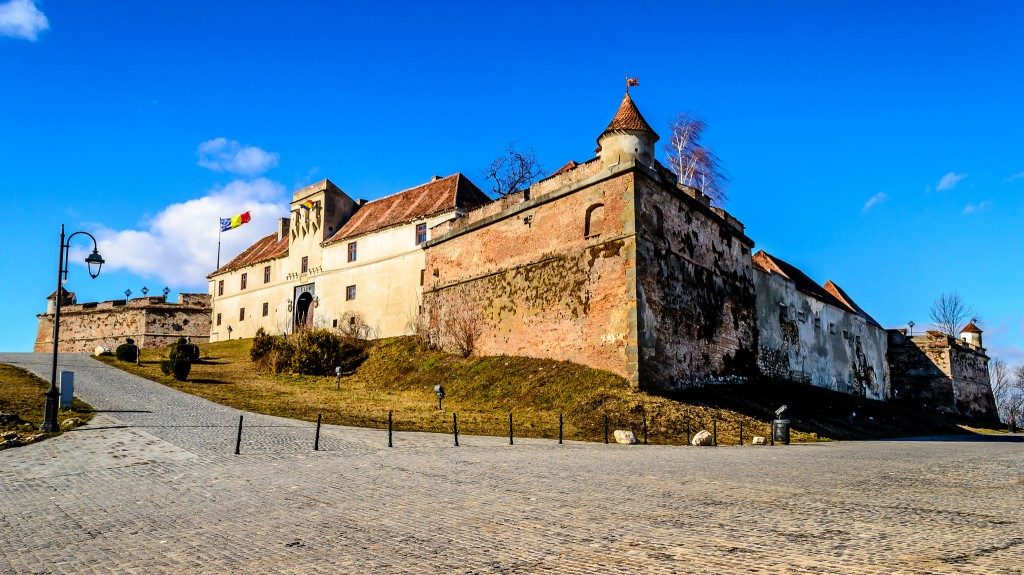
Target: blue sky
{"points": [[874, 144]]}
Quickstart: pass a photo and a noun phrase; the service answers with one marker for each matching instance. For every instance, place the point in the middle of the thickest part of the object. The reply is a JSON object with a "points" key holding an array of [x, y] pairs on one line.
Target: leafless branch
{"points": [[949, 313], [697, 166], [513, 171]]}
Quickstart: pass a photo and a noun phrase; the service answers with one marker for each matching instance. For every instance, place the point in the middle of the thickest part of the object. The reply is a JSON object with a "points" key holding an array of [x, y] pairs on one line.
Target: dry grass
{"points": [[21, 393], [399, 376]]}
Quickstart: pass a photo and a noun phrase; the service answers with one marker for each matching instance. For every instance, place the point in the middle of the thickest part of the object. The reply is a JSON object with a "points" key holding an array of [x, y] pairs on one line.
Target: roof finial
{"points": [[631, 82]]}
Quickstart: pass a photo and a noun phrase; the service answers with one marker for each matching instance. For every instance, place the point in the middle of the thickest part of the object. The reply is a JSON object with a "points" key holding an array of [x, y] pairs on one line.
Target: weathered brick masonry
{"points": [[150, 321]]}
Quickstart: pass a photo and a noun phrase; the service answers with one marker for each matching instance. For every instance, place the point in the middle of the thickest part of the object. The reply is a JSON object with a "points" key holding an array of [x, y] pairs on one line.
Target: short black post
{"points": [[389, 430], [238, 442], [316, 441], [606, 429], [687, 432], [455, 428], [560, 424], [510, 441], [741, 432], [771, 434], [645, 430], [714, 432]]}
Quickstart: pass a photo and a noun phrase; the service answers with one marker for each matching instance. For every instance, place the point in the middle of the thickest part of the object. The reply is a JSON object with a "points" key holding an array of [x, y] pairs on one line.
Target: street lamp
{"points": [[167, 290], [94, 262], [145, 291], [910, 324], [439, 392], [127, 294]]}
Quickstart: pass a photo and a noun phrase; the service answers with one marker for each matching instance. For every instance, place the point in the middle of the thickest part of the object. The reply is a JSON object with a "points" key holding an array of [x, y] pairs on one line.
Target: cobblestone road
{"points": [[151, 485]]}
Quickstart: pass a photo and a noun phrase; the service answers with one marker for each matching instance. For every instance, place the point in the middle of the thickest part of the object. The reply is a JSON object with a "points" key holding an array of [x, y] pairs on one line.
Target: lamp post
{"points": [[127, 294], [167, 290], [95, 262], [145, 291], [910, 324]]}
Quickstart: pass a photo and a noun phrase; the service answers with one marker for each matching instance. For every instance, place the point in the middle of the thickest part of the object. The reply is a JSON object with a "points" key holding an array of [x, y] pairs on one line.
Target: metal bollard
{"points": [[560, 424], [741, 432], [645, 430], [606, 429], [687, 432], [771, 436], [238, 441], [389, 430], [714, 432], [510, 441], [316, 441], [455, 428]]}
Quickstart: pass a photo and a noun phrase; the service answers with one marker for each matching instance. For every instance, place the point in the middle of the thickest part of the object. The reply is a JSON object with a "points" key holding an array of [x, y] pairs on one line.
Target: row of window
{"points": [[421, 236], [350, 294]]}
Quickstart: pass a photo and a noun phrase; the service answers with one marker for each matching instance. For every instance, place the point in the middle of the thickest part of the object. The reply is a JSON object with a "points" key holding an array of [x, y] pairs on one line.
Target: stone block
{"points": [[703, 437], [625, 436]]}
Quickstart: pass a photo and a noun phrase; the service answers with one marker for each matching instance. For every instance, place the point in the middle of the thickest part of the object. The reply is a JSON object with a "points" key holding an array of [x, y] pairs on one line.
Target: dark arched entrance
{"points": [[304, 311]]}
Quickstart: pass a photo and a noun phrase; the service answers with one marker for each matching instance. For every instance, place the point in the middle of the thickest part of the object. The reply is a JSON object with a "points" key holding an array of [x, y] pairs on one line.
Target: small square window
{"points": [[352, 251], [350, 293], [305, 264], [220, 287], [266, 275], [218, 319], [241, 314], [335, 324], [245, 280], [422, 273], [421, 233], [266, 309]]}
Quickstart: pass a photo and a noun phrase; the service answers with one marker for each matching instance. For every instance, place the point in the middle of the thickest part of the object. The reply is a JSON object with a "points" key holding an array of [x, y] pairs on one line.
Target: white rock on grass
{"points": [[703, 437], [759, 440], [625, 436]]}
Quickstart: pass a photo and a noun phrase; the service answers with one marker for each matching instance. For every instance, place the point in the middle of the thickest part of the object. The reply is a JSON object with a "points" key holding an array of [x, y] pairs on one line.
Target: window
{"points": [[266, 275], [245, 280], [421, 233], [241, 314], [595, 218], [422, 273], [352, 251], [218, 319], [305, 264], [220, 287], [266, 309], [350, 293], [335, 324]]}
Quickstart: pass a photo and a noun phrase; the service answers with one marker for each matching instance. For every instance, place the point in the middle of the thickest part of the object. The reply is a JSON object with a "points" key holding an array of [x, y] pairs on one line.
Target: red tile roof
{"points": [[434, 197], [629, 118], [971, 328], [67, 295], [569, 166], [264, 250], [842, 296]]}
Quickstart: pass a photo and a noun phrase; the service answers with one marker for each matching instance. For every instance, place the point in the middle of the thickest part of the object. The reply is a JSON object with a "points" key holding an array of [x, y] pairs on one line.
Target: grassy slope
{"points": [[399, 376], [21, 393]]}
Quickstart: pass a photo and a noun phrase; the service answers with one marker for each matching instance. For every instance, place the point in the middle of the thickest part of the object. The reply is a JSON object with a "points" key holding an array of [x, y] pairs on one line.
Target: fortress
{"points": [[608, 262]]}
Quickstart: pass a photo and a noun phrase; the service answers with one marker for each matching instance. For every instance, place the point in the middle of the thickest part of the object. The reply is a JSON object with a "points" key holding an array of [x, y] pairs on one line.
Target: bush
{"points": [[127, 351], [262, 345], [317, 352], [179, 360], [281, 353]]}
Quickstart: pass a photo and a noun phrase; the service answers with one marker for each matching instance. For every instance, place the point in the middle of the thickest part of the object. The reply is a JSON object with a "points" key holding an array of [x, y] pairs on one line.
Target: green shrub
{"points": [[280, 357], [127, 351], [179, 360], [316, 352]]}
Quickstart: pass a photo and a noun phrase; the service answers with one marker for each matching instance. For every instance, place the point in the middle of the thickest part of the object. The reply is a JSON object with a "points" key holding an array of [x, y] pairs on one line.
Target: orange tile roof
{"points": [[454, 191], [842, 296], [629, 118], [971, 328], [264, 250]]}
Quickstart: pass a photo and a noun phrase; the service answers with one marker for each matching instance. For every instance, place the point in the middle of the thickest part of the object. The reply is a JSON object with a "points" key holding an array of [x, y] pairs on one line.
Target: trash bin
{"points": [[67, 388], [780, 431]]}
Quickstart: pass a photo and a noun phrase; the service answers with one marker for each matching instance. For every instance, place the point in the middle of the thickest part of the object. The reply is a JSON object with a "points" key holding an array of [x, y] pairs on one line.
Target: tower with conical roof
{"points": [[971, 334], [627, 137]]}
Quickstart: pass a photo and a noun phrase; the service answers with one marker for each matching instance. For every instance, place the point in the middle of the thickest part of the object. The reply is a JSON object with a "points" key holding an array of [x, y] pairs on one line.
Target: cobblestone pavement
{"points": [[152, 486]]}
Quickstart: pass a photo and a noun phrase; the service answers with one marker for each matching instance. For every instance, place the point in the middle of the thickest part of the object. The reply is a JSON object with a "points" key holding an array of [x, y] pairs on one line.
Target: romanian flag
{"points": [[234, 221], [308, 204]]}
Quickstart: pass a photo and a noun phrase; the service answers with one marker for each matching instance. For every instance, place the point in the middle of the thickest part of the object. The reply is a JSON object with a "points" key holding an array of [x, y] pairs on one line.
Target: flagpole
{"points": [[219, 230]]}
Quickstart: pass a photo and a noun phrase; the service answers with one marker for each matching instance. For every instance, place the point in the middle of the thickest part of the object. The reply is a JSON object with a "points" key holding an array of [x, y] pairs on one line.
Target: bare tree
{"points": [[1002, 380], [949, 313], [1015, 401], [513, 171], [695, 164], [462, 328]]}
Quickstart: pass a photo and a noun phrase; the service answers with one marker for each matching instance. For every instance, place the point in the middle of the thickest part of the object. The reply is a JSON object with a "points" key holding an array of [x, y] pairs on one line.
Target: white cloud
{"points": [[224, 155], [973, 208], [874, 201], [1017, 176], [179, 244], [949, 181], [21, 19]]}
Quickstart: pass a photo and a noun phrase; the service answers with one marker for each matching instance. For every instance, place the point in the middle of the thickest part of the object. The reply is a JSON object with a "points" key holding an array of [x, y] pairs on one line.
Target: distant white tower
{"points": [[971, 334]]}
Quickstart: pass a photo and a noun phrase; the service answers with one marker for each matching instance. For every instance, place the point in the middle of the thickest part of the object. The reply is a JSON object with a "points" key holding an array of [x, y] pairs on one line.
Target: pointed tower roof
{"points": [[629, 118], [971, 328]]}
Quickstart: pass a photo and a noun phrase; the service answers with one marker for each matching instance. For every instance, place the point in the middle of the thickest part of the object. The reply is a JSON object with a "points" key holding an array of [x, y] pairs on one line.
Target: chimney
{"points": [[435, 178], [282, 228]]}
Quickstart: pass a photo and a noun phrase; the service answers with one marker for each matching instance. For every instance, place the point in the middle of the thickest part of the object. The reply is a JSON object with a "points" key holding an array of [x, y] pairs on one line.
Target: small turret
{"points": [[627, 137], [971, 334]]}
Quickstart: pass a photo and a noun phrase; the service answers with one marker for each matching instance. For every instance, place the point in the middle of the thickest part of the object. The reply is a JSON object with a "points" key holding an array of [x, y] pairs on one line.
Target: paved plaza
{"points": [[152, 486]]}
